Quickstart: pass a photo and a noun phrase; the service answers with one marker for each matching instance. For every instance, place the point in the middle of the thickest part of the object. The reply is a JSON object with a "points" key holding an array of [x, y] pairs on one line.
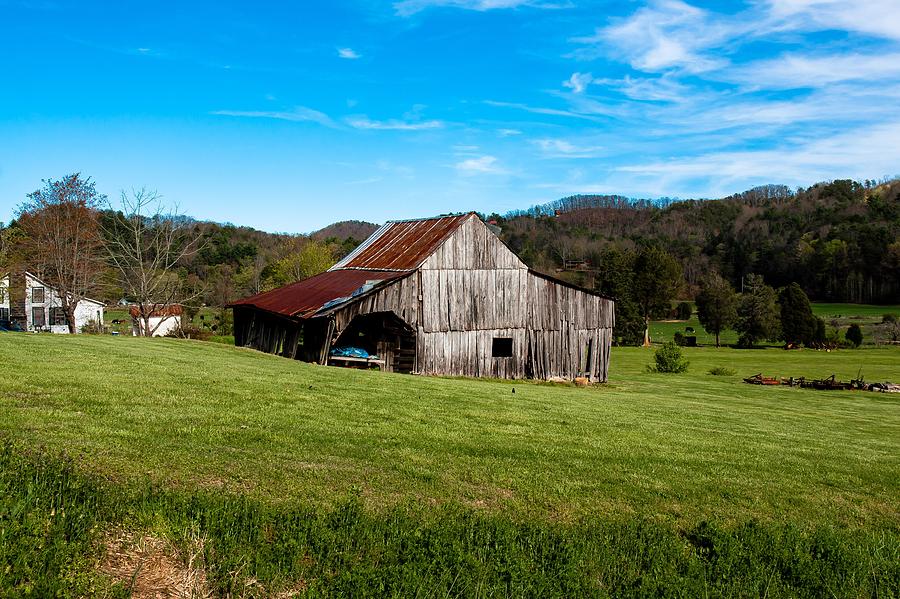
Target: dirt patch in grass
{"points": [[151, 568]]}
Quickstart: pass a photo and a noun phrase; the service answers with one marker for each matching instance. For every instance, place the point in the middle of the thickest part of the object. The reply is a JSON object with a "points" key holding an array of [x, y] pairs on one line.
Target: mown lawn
{"points": [[675, 447], [277, 478]]}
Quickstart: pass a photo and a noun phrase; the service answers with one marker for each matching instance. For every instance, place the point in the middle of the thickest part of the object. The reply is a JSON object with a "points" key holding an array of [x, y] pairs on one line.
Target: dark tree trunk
{"points": [[70, 317]]}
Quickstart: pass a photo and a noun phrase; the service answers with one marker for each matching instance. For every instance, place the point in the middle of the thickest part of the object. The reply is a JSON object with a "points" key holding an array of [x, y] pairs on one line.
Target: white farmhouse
{"points": [[42, 307], [163, 320]]}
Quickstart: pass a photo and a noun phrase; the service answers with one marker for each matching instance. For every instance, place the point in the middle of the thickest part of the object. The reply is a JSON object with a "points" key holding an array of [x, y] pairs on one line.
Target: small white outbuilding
{"points": [[163, 320]]}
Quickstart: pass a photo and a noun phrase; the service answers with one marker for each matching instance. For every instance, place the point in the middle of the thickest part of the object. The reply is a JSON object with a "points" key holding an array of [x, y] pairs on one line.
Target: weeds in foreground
{"points": [[55, 525]]}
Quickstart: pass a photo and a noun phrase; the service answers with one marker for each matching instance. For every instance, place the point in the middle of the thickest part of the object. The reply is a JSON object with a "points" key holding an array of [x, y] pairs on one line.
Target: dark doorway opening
{"points": [[382, 334]]}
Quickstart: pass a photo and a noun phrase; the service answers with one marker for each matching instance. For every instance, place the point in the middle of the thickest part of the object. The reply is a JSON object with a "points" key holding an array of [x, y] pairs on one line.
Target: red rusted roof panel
{"points": [[304, 298], [159, 312], [402, 245]]}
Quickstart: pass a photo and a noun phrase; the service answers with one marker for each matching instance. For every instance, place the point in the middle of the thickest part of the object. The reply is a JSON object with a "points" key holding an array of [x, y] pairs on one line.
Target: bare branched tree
{"points": [[62, 240], [146, 242]]}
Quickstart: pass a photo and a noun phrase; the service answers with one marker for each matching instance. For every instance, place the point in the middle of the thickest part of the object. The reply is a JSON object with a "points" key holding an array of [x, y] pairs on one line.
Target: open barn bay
{"points": [[303, 478]]}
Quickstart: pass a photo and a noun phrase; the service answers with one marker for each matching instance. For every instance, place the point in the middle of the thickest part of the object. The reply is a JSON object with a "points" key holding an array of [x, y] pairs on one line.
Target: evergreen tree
{"points": [[657, 277], [798, 325], [854, 335], [615, 276], [716, 305], [758, 312]]}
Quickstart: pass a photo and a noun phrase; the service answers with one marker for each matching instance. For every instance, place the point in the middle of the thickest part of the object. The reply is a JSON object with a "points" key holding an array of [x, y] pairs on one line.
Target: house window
{"points": [[57, 317], [38, 318], [502, 347], [4, 314], [37, 295]]}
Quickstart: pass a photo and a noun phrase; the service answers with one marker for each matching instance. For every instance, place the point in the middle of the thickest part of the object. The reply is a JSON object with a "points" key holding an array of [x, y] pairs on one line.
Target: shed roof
{"points": [[402, 245], [165, 311], [305, 298]]}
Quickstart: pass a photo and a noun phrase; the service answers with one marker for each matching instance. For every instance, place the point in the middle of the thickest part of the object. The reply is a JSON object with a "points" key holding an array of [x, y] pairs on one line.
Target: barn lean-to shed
{"points": [[440, 296]]}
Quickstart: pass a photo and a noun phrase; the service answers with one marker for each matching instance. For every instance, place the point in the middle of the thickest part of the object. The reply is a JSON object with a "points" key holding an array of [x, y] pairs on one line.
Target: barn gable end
{"points": [[472, 246]]}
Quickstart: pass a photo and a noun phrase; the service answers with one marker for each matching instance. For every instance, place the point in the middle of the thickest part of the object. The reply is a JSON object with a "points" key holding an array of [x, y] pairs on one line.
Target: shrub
{"points": [[889, 331], [722, 371], [190, 332], [854, 335], [91, 327], [668, 358], [820, 334], [888, 318], [683, 311], [679, 338]]}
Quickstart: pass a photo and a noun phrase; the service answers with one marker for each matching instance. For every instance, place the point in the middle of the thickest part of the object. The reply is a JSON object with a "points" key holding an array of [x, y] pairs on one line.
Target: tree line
{"points": [[835, 241], [751, 261], [839, 240], [140, 249]]}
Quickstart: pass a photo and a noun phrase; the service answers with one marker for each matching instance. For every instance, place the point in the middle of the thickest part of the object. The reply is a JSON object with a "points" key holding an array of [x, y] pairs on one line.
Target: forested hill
{"points": [[839, 240], [354, 229]]}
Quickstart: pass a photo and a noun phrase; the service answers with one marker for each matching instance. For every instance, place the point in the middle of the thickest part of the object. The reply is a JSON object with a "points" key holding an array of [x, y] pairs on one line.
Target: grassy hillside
{"points": [[333, 481], [681, 447]]}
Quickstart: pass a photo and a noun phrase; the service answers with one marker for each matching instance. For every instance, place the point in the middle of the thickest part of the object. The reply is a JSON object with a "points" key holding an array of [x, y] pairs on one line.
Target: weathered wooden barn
{"points": [[436, 296]]}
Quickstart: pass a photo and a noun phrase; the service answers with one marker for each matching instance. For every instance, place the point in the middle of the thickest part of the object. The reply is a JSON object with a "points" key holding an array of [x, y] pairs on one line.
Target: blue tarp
{"points": [[351, 352]]}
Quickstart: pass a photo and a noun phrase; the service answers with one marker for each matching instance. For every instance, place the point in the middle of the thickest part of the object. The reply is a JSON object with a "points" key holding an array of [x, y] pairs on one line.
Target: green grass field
{"points": [[836, 316], [674, 450], [680, 447]]}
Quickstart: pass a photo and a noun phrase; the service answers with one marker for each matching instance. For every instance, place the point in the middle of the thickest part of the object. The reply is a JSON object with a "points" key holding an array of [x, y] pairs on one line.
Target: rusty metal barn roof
{"points": [[304, 298], [402, 245]]}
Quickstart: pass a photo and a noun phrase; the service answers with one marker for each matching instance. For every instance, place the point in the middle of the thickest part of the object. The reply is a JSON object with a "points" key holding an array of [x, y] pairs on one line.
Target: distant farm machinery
{"points": [[830, 383]]}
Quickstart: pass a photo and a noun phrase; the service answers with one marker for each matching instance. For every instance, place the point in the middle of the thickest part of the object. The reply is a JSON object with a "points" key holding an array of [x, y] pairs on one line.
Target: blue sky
{"points": [[287, 116]]}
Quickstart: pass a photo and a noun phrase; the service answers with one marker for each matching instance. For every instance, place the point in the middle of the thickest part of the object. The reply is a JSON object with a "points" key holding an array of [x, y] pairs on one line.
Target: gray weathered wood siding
{"points": [[399, 297], [568, 353], [468, 353], [553, 305], [472, 246], [478, 299]]}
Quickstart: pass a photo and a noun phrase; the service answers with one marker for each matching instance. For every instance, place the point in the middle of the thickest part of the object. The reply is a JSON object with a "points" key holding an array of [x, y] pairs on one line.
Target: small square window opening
{"points": [[502, 347]]}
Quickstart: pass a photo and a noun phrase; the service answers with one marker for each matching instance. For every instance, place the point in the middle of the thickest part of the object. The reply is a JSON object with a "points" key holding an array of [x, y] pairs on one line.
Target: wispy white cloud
{"points": [[874, 17], [855, 154], [348, 53], [297, 114], [483, 165], [401, 170], [363, 122], [578, 82], [668, 34], [407, 8], [508, 132], [792, 71], [561, 148], [655, 89], [367, 181], [543, 110]]}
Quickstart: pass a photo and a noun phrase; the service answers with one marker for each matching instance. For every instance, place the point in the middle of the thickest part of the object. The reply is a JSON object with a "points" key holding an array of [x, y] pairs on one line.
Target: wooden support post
{"points": [[326, 344]]}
